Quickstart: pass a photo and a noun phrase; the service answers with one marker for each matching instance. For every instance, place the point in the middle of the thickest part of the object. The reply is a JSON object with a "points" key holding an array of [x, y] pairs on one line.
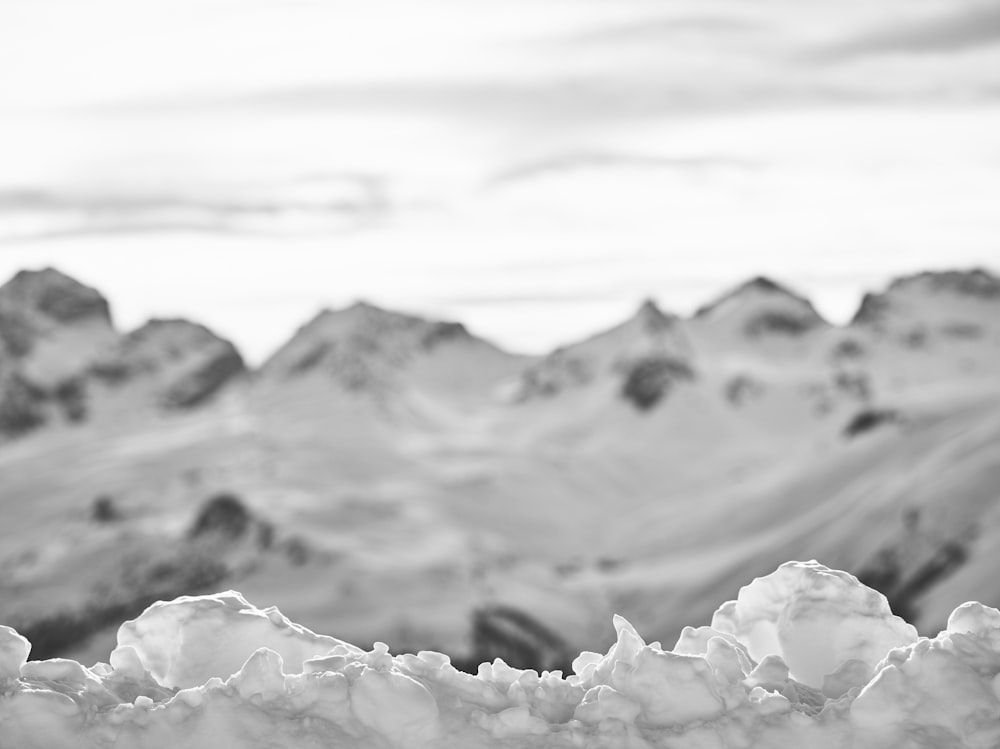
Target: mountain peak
{"points": [[932, 298], [762, 306], [767, 285], [54, 295], [52, 325], [975, 282], [186, 362], [756, 287], [649, 336], [362, 345], [652, 317]]}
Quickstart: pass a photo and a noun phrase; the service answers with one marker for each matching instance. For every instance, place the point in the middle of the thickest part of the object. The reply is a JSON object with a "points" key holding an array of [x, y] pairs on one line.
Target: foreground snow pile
{"points": [[806, 657]]}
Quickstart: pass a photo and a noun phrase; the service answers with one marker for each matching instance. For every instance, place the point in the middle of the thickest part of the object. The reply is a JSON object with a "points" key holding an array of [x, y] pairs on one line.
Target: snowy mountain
{"points": [[62, 360], [642, 356], [951, 304], [369, 350], [183, 363], [760, 308], [51, 329], [647, 470]]}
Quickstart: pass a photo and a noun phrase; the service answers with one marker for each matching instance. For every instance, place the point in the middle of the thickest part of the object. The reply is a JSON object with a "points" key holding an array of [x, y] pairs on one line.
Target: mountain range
{"points": [[384, 476]]}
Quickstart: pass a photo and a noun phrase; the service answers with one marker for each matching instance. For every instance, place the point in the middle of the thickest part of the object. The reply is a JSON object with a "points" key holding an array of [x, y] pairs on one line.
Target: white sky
{"points": [[541, 165]]}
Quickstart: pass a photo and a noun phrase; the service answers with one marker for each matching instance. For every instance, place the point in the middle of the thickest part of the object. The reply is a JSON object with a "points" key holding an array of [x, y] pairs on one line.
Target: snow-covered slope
{"points": [[806, 656]]}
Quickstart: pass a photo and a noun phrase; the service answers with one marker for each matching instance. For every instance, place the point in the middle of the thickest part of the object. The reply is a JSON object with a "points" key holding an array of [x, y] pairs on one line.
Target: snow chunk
{"points": [[396, 706], [57, 670], [669, 688], [941, 688], [14, 651], [187, 641], [261, 676], [815, 618], [977, 619]]}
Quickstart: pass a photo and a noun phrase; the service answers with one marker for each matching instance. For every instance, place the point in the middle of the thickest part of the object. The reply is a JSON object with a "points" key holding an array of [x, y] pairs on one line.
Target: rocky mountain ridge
{"points": [[58, 344]]}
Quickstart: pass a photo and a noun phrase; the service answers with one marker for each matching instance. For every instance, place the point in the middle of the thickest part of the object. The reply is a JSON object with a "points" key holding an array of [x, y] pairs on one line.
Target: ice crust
{"points": [[805, 657]]}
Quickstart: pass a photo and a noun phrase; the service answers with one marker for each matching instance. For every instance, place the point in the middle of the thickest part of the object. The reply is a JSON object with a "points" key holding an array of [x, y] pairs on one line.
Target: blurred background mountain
{"points": [[481, 439], [389, 477]]}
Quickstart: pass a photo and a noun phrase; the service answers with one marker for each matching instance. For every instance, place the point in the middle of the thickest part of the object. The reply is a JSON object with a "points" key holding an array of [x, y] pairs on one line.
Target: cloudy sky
{"points": [[532, 167]]}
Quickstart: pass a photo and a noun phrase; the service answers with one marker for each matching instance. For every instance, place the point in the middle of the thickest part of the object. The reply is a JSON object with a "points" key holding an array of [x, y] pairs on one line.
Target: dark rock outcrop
{"points": [[225, 516], [648, 380], [22, 405], [206, 378], [518, 639], [870, 419]]}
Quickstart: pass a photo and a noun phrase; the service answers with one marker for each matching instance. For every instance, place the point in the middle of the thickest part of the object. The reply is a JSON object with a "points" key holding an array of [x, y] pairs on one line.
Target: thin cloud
{"points": [[970, 29], [601, 160], [664, 29]]}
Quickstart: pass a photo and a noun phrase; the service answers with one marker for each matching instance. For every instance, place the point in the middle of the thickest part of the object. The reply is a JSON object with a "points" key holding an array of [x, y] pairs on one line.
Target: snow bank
{"points": [[806, 656]]}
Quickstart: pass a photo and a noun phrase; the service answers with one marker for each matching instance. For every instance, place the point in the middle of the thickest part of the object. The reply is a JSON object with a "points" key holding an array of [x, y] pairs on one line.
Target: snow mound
{"points": [[787, 612], [187, 641], [211, 671]]}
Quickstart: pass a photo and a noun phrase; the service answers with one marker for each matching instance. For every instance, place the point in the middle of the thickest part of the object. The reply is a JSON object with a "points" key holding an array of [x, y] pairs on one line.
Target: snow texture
{"points": [[806, 656]]}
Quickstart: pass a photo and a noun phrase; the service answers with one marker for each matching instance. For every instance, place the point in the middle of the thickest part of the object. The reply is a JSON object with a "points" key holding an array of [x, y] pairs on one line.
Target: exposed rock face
{"points": [[873, 310], [16, 335], [762, 307], [206, 378], [186, 362], [442, 332], [224, 516], [649, 380], [22, 405], [518, 639], [870, 419]]}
